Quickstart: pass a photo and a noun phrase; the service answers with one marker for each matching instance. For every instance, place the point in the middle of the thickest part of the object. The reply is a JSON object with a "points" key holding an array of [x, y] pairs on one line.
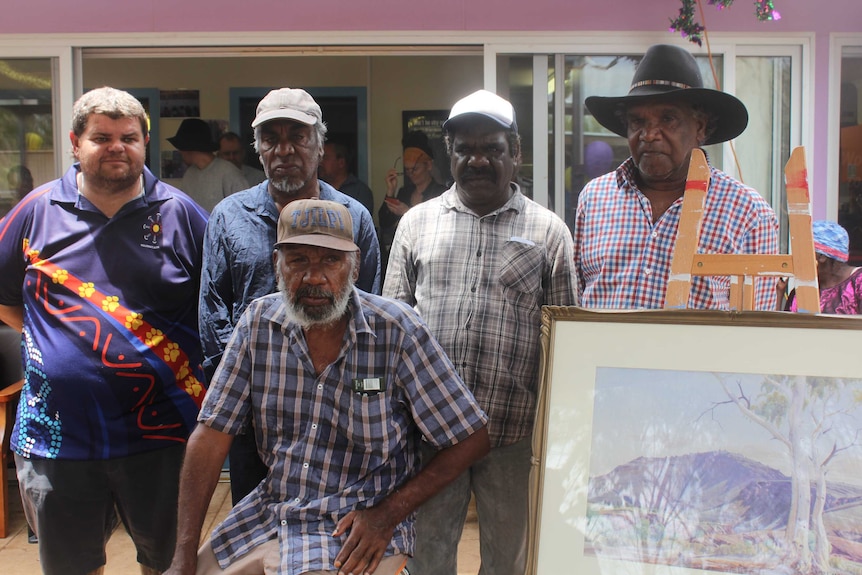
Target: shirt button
{"points": [[479, 253], [295, 501], [313, 426], [647, 271], [305, 466], [655, 234], [283, 522], [473, 289], [319, 386]]}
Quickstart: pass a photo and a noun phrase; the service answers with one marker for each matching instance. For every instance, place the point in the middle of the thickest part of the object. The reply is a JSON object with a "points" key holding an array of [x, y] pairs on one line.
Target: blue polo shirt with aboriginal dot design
{"points": [[110, 343]]}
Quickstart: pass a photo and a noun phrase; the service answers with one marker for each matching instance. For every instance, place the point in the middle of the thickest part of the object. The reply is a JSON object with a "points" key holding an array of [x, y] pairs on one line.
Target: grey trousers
{"points": [[500, 482]]}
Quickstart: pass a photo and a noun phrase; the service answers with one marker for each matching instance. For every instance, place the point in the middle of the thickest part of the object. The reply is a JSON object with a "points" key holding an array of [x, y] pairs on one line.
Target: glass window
{"points": [[515, 83], [26, 128], [762, 150], [850, 150]]}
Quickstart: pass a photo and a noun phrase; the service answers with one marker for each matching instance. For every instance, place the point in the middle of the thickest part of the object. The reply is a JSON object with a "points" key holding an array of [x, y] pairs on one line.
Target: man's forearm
{"points": [[444, 468], [13, 316], [205, 454]]}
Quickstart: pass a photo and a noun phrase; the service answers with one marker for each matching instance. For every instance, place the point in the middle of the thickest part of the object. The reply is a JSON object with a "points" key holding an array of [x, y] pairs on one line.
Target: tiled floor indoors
{"points": [[18, 557]]}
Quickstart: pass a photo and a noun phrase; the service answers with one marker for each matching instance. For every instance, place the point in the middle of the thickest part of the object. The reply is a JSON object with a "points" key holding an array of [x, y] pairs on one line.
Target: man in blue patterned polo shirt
{"points": [[341, 386], [100, 271]]}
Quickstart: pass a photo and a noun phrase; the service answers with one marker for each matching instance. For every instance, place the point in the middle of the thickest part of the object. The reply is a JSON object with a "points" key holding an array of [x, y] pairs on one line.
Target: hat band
{"points": [[679, 85]]}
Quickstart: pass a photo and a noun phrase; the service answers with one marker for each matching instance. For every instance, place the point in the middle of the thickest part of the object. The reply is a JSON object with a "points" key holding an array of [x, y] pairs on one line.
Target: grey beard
{"points": [[332, 314], [286, 186]]}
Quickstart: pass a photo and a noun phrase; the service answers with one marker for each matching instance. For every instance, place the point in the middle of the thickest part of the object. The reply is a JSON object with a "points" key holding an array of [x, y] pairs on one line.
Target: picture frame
{"points": [[682, 442]]}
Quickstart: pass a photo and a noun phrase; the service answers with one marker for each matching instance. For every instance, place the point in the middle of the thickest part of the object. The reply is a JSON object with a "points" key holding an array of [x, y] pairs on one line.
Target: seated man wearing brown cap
{"points": [[342, 386], [626, 221], [207, 179]]}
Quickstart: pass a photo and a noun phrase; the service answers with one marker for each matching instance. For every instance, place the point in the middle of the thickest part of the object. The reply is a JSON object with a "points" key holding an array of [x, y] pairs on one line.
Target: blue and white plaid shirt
{"points": [[623, 258], [328, 447]]}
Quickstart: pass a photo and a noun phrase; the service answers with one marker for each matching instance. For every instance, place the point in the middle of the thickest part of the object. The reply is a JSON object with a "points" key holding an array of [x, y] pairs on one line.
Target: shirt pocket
{"points": [[521, 267]]}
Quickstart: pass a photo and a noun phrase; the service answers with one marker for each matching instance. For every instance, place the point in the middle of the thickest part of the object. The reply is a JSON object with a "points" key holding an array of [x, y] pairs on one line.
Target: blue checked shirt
{"points": [[623, 258], [329, 448], [480, 283]]}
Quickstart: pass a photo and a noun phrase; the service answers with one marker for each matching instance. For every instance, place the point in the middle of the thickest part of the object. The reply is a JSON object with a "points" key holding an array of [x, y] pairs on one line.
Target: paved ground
{"points": [[18, 557]]}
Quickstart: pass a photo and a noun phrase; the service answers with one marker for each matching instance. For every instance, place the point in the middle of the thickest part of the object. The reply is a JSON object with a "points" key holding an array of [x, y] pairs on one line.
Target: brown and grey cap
{"points": [[314, 222]]}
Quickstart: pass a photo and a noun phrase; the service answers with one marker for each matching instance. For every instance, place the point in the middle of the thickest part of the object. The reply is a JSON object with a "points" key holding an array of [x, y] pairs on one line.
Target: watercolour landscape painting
{"points": [[737, 473]]}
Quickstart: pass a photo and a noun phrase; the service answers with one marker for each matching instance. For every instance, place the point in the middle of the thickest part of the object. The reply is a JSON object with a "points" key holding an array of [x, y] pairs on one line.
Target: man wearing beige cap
{"points": [[478, 263], [349, 384], [237, 258]]}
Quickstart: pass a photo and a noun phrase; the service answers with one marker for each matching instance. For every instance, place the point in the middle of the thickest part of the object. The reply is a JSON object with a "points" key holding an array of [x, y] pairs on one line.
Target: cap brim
{"points": [[284, 114], [321, 241], [731, 121]]}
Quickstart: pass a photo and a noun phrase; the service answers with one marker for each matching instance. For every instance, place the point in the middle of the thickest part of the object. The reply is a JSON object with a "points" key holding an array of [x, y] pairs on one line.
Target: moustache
{"points": [[475, 173], [312, 291]]}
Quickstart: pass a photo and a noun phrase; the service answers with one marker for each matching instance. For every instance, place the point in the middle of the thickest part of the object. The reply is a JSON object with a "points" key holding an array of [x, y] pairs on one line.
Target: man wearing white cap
{"points": [[478, 263], [288, 134], [349, 384]]}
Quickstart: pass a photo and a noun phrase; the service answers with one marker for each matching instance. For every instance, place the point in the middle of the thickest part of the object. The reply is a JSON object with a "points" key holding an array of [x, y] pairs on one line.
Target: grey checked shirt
{"points": [[480, 283]]}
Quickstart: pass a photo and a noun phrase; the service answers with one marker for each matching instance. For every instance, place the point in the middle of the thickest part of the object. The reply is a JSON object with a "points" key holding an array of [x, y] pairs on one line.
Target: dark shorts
{"points": [[73, 505]]}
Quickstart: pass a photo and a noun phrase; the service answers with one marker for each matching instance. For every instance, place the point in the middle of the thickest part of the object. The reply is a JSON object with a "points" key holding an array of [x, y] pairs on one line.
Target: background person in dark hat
{"points": [[207, 179], [626, 221]]}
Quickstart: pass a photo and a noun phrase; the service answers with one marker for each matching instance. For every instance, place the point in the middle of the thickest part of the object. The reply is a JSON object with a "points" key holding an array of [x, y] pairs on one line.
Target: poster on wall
{"points": [[180, 103], [431, 123]]}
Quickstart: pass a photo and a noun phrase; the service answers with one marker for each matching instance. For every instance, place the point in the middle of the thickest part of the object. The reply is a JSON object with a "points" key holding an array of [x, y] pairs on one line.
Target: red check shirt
{"points": [[623, 259]]}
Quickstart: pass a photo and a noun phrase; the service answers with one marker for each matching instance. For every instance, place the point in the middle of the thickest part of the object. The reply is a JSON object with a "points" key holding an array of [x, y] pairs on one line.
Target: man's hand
{"points": [[370, 533], [391, 182], [179, 567]]}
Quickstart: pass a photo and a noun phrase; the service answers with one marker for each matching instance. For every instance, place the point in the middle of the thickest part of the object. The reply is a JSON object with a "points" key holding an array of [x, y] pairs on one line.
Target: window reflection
{"points": [[26, 128], [850, 151]]}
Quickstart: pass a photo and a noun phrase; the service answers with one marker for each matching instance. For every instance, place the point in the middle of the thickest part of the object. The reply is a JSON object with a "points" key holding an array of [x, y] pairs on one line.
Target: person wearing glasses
{"points": [[419, 186]]}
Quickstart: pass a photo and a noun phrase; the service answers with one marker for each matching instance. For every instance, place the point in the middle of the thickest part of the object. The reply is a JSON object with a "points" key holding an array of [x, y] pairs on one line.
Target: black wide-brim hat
{"points": [[194, 135], [670, 73]]}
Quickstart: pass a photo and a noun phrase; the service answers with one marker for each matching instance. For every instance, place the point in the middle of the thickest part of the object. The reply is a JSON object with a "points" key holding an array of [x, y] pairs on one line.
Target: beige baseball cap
{"points": [[288, 104]]}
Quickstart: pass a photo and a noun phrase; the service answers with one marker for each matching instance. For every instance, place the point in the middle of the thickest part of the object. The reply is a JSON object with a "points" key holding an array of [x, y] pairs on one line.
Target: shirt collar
{"points": [[451, 200], [260, 202], [67, 191]]}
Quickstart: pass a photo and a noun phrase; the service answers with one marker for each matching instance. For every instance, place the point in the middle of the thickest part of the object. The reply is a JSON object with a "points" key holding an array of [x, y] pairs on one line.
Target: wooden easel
{"points": [[743, 268]]}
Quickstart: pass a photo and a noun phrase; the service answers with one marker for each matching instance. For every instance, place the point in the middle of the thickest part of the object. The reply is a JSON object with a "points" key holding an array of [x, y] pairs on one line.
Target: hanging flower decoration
{"points": [[689, 28]]}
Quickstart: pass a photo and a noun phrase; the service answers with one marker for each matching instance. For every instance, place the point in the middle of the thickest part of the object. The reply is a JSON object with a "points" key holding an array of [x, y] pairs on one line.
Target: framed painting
{"points": [[689, 442]]}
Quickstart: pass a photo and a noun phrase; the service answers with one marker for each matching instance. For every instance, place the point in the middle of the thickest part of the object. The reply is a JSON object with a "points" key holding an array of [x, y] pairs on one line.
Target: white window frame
{"points": [[837, 44]]}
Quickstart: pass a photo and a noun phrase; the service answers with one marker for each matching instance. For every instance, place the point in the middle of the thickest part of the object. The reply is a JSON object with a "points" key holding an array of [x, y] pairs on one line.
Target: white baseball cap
{"points": [[486, 104]]}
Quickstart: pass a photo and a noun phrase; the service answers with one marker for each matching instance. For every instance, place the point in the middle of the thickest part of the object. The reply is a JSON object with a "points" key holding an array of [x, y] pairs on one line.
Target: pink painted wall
{"points": [[62, 16], [234, 17]]}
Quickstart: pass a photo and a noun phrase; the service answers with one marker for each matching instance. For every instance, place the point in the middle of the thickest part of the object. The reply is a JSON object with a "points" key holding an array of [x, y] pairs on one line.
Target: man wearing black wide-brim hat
{"points": [[207, 179], [626, 222]]}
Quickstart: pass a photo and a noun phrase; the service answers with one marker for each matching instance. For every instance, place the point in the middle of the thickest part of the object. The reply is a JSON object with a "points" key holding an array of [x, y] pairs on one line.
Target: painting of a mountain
{"points": [[715, 500], [736, 473]]}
